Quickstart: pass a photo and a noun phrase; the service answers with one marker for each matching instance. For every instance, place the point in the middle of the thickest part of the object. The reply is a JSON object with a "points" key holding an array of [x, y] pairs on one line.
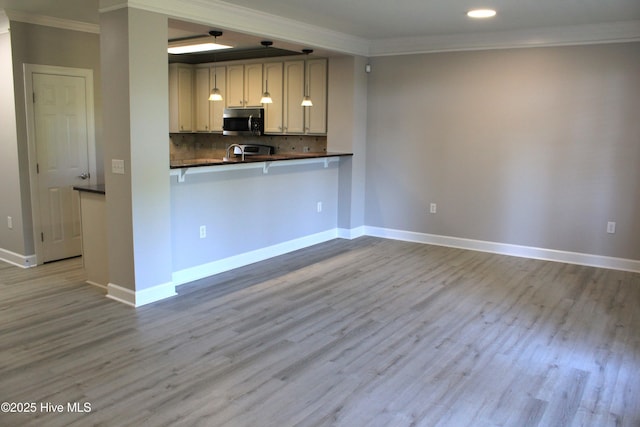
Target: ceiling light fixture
{"points": [[215, 92], [195, 45], [266, 96], [481, 13], [306, 100]]}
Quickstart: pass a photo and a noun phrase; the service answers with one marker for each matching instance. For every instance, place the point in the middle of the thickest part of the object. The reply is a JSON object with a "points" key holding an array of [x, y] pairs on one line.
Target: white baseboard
{"points": [[22, 261], [140, 298], [351, 233], [215, 267], [209, 269], [508, 249]]}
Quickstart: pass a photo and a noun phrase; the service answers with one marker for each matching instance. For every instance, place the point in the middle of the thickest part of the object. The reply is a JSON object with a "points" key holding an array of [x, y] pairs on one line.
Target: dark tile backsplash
{"points": [[184, 146]]}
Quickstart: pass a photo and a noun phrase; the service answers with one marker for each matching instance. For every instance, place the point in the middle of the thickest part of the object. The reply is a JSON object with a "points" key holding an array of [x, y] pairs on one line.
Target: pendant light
{"points": [[306, 100], [266, 96], [215, 92]]}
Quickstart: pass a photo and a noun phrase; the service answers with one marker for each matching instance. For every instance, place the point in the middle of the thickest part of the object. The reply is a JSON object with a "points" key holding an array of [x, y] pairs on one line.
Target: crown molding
{"points": [[237, 18], [50, 21], [615, 32]]}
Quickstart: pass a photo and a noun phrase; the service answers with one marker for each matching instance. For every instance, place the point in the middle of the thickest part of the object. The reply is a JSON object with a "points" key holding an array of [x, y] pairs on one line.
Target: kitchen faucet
{"points": [[227, 158]]}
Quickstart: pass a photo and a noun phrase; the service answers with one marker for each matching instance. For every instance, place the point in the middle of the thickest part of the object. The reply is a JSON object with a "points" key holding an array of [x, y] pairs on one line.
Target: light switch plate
{"points": [[117, 166]]}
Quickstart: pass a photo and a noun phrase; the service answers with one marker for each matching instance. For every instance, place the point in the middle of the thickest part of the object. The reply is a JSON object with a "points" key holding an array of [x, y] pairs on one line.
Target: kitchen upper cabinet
{"points": [[273, 83], [209, 113], [218, 76], [180, 98], [202, 90], [244, 85], [296, 77], [235, 86], [293, 113], [316, 80], [253, 85]]}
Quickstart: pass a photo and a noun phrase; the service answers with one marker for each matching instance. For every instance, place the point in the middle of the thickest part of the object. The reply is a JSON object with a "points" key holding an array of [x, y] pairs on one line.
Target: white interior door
{"points": [[61, 140]]}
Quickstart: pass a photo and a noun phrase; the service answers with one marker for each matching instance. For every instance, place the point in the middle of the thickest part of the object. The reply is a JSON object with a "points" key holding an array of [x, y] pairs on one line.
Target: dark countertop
{"points": [[188, 163], [99, 189]]}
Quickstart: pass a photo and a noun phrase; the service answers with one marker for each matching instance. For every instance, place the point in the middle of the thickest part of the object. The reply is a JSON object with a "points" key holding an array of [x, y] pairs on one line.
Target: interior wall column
{"points": [[133, 45], [347, 118]]}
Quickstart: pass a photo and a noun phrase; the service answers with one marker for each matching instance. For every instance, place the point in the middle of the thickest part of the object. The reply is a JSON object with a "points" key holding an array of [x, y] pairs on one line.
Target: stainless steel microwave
{"points": [[243, 121]]}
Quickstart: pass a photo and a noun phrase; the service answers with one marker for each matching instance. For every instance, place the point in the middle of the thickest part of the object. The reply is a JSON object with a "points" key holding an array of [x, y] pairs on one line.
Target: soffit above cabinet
{"points": [[245, 46]]}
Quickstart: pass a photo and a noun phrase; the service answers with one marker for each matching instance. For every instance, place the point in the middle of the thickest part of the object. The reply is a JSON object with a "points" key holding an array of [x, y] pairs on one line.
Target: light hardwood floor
{"points": [[368, 332]]}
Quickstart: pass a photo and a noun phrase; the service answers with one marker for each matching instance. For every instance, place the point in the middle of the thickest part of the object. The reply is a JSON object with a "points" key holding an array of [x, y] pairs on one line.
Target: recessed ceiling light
{"points": [[481, 13]]}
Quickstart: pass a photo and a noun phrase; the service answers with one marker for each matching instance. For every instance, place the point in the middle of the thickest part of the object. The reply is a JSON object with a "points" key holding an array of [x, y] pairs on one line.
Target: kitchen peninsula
{"points": [[226, 214]]}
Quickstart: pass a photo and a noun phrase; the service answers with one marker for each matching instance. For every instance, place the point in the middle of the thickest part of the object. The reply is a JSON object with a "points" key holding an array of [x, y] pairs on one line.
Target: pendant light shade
{"points": [[215, 92], [306, 100], [266, 96]]}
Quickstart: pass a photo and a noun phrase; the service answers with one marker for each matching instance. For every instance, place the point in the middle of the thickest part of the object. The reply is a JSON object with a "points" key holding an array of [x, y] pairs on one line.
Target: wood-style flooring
{"points": [[368, 332]]}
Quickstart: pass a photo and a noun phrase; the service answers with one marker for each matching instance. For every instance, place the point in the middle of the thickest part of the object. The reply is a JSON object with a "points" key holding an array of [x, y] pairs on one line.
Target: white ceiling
{"points": [[384, 19], [379, 27], [75, 10]]}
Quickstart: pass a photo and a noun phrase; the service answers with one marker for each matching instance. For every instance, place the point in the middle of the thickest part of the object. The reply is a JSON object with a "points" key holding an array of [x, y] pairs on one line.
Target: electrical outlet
{"points": [[319, 207], [433, 208], [611, 227], [203, 231], [10, 222]]}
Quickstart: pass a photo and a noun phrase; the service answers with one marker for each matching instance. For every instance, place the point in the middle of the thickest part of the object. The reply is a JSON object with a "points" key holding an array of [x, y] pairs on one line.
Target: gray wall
{"points": [[36, 44], [11, 240], [246, 210], [537, 147]]}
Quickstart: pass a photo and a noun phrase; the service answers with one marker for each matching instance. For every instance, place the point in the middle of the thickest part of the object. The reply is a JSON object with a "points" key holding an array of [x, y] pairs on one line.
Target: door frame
{"points": [[28, 71]]}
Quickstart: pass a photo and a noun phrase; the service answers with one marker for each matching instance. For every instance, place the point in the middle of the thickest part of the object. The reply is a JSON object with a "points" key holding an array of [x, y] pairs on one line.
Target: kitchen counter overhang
{"points": [[184, 167], [188, 163]]}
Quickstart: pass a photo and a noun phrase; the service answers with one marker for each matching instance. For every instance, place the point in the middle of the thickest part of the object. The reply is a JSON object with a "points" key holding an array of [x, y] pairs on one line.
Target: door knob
{"points": [[83, 175]]}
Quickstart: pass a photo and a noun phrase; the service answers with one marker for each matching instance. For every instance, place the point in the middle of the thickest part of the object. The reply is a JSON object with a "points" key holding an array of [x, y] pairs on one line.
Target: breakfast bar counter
{"points": [[188, 163], [181, 168]]}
